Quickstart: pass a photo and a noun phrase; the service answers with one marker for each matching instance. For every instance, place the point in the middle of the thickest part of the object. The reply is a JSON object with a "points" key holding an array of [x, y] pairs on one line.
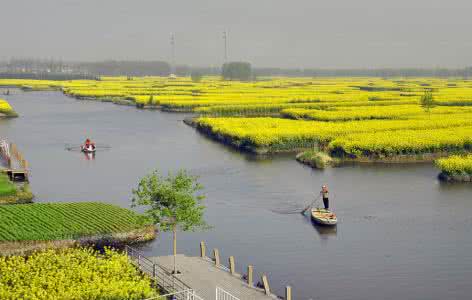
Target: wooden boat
{"points": [[87, 149], [323, 216]]}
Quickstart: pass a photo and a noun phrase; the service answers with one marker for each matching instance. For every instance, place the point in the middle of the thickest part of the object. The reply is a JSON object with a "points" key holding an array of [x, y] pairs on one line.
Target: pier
{"points": [[204, 278]]}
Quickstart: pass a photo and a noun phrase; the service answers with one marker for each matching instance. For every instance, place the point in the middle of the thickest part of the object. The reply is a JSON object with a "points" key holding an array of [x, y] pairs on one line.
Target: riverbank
{"points": [[317, 159], [14, 193], [455, 168], [11, 193], [415, 147], [243, 143], [31, 227], [6, 111]]}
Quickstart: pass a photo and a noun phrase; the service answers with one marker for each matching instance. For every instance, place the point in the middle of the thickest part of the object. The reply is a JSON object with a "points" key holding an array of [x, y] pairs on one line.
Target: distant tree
{"points": [[196, 76], [427, 101], [151, 100], [129, 68], [172, 202], [237, 71]]}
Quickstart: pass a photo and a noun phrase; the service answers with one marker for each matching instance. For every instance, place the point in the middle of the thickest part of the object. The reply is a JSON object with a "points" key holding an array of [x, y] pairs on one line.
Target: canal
{"points": [[402, 234]]}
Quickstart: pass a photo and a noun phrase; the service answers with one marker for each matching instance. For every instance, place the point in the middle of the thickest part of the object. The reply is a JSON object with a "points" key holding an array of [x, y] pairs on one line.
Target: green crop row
{"points": [[7, 188], [58, 221]]}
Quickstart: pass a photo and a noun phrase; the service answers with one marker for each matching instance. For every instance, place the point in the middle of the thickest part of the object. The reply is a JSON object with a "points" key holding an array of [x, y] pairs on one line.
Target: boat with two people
{"points": [[88, 147]]}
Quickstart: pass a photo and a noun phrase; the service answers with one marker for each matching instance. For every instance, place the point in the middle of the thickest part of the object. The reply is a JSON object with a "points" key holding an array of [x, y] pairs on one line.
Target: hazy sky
{"points": [[291, 33]]}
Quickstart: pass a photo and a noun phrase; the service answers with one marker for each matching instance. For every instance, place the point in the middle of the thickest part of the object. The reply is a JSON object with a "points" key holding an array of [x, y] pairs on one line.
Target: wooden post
{"points": [[202, 249], [216, 253], [154, 272], [231, 265], [288, 293], [265, 282], [250, 271]]}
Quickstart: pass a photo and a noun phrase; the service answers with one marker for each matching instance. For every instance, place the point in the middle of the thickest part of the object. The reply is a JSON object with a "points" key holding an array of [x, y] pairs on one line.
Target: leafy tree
{"points": [[196, 76], [427, 101], [172, 202], [237, 71]]}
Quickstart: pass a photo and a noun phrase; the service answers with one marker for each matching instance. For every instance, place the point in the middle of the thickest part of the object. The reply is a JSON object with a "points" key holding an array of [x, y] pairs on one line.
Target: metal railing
{"points": [[161, 276], [224, 295], [187, 295]]}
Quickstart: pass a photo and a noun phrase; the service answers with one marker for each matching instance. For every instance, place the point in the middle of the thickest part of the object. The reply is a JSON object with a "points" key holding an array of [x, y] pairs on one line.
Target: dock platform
{"points": [[204, 277]]}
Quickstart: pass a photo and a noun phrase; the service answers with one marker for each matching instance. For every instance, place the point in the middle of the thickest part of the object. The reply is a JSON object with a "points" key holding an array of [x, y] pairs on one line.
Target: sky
{"points": [[267, 33]]}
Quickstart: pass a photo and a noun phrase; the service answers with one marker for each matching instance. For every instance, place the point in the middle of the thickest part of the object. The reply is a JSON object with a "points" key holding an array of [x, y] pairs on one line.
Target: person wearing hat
{"points": [[324, 195]]}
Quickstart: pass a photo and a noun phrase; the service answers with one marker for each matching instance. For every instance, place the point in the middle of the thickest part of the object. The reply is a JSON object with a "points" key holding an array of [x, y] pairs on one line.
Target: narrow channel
{"points": [[402, 234]]}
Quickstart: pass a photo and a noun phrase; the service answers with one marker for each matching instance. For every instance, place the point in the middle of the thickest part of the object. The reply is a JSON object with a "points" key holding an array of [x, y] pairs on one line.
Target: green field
{"points": [[13, 194], [72, 274], [61, 221], [7, 188]]}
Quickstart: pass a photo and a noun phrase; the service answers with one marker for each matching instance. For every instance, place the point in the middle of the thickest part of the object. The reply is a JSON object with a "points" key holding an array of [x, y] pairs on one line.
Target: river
{"points": [[402, 234]]}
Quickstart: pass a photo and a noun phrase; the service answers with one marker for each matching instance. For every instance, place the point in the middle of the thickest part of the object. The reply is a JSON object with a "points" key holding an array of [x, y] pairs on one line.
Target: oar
{"points": [[311, 204]]}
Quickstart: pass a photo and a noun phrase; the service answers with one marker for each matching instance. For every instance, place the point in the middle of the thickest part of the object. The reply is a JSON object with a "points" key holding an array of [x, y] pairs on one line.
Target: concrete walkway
{"points": [[203, 277]]}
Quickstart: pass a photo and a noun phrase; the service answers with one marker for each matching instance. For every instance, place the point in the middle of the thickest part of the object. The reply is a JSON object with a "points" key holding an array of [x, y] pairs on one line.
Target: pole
{"points": [[172, 44], [225, 39], [250, 271], [288, 293], [202, 249]]}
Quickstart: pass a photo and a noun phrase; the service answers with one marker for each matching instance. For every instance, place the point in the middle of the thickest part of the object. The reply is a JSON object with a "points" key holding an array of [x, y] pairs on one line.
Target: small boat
{"points": [[88, 149], [323, 216]]}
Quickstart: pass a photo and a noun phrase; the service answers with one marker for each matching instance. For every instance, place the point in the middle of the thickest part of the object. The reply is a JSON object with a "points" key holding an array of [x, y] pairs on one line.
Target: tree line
{"points": [[232, 70]]}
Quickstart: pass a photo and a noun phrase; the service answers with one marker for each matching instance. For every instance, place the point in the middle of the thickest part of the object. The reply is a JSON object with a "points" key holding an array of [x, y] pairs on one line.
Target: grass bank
{"points": [[30, 227], [317, 159], [72, 274], [455, 168], [11, 193]]}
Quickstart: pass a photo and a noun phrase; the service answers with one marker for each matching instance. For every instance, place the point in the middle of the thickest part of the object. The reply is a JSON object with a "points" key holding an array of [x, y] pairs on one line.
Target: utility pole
{"points": [[172, 44], [225, 39]]}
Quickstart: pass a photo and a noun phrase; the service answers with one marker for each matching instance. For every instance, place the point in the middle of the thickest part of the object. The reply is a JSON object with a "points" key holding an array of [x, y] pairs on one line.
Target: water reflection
{"points": [[325, 232], [89, 155]]}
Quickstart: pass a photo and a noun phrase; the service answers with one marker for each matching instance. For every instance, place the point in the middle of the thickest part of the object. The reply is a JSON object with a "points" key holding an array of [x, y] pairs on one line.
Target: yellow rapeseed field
{"points": [[5, 108], [72, 274], [456, 165], [326, 110]]}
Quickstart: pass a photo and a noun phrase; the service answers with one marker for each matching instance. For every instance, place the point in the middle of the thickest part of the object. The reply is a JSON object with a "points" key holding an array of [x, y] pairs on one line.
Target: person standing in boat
{"points": [[324, 195]]}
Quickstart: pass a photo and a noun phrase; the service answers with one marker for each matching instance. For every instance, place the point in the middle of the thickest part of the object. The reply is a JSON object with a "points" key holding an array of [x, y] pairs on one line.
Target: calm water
{"points": [[402, 234]]}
